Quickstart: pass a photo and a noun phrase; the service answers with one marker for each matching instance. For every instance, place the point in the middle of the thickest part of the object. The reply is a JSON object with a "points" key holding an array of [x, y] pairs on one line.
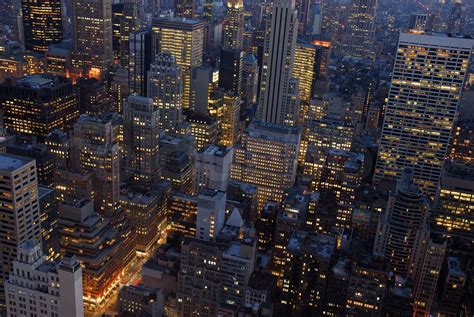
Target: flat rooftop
{"points": [[9, 162]]}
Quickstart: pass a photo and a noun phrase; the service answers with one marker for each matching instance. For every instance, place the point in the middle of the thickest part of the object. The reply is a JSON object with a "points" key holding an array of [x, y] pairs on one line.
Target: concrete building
{"points": [[212, 165], [404, 143], [279, 93], [140, 301], [267, 158], [210, 214], [37, 286], [20, 211], [165, 86]]}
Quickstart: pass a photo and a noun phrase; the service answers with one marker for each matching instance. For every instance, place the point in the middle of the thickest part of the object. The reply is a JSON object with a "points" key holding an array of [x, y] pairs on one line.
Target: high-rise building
{"points": [[92, 42], [279, 92], [267, 158], [142, 142], [342, 175], [177, 162], [213, 167], [20, 213], [210, 214], [52, 288], [204, 82], [96, 244], [417, 126], [204, 129], [361, 29], [233, 35], [141, 55], [119, 89], [147, 213], [250, 72], [230, 70], [454, 213], [229, 120], [140, 300], [37, 104], [402, 226], [42, 24], [185, 9], [165, 86], [182, 38], [93, 97], [125, 20], [453, 280], [96, 151]]}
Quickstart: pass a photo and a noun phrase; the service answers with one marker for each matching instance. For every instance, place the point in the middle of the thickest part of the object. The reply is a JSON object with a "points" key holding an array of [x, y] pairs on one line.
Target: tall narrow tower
{"points": [[234, 25], [360, 33], [427, 80], [279, 101]]}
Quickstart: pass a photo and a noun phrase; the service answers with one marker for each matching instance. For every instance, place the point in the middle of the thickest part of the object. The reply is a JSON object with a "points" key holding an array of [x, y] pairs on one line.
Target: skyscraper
{"points": [[125, 20], [234, 25], [230, 70], [165, 86], [185, 8], [182, 38], [421, 107], [360, 33], [142, 142], [38, 104], [42, 24], [20, 212], [141, 55], [267, 158], [92, 42], [279, 93]]}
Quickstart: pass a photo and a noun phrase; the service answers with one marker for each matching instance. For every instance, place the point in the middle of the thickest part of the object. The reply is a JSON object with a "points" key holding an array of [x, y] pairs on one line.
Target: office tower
{"points": [[49, 218], [147, 213], [184, 40], [230, 70], [402, 225], [306, 273], [140, 300], [141, 55], [199, 286], [210, 214], [185, 9], [453, 279], [404, 143], [125, 20], [20, 213], [303, 7], [28, 146], [119, 89], [321, 133], [267, 158], [204, 82], [93, 97], [453, 214], [37, 104], [57, 143], [309, 65], [367, 286], [142, 142], [279, 100], [229, 120], [52, 288], [96, 151], [359, 40], [250, 72], [58, 59], [427, 281], [234, 25], [183, 209], [213, 167], [290, 218], [97, 245], [21, 64], [342, 175], [42, 24], [418, 23], [177, 162], [74, 185], [204, 129], [165, 86], [92, 51], [315, 21]]}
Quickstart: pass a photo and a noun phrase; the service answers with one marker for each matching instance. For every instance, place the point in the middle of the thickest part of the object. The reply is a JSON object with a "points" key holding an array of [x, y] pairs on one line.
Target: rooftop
{"points": [[9, 162]]}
